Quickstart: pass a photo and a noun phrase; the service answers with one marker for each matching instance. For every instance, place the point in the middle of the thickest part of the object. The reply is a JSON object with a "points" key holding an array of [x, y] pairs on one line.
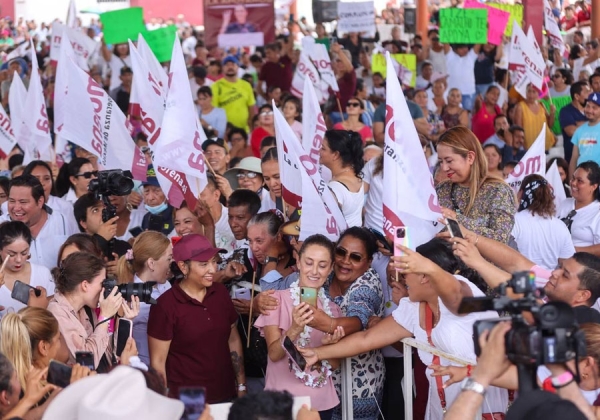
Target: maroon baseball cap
{"points": [[194, 247]]}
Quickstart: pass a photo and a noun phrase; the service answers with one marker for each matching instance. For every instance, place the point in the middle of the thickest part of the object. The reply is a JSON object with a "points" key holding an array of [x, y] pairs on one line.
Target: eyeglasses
{"points": [[353, 104], [355, 257], [88, 175], [249, 175], [569, 219]]}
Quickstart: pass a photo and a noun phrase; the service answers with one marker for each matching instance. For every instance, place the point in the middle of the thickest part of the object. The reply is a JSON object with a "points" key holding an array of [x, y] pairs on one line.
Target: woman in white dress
{"points": [[15, 239], [434, 294], [541, 237], [342, 153]]}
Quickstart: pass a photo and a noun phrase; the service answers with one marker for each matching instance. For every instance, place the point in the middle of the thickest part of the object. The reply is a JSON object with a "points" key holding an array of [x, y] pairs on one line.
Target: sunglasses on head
{"points": [[354, 257], [353, 104], [569, 219], [88, 175], [249, 175]]}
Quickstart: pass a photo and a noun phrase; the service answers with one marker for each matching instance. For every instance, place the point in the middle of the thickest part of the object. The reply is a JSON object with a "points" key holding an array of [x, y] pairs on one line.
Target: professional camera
{"points": [[110, 182], [142, 290], [555, 337]]}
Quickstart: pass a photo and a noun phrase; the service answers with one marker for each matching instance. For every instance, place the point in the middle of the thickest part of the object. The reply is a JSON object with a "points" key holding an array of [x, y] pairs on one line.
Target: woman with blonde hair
{"points": [[484, 203], [30, 338], [148, 260]]}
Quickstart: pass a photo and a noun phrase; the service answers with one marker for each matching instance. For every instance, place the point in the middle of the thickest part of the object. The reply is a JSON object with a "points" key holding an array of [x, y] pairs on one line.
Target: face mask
{"points": [[156, 209]]}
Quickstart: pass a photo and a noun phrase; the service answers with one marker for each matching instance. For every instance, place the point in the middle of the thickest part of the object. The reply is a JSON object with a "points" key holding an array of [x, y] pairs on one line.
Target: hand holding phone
{"points": [[21, 290], [401, 237], [454, 228], [59, 374], [294, 354], [194, 401], [85, 358], [125, 329], [308, 295]]}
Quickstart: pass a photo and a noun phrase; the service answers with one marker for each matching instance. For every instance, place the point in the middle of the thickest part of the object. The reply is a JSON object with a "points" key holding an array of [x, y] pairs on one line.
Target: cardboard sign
{"points": [[463, 26], [498, 19], [161, 42], [119, 26], [408, 61], [516, 14], [356, 17]]}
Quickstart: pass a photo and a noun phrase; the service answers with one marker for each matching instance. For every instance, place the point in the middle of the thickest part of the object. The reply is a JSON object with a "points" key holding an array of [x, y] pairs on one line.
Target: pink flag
{"points": [[179, 146], [410, 198], [7, 136], [320, 212], [534, 162], [100, 125]]}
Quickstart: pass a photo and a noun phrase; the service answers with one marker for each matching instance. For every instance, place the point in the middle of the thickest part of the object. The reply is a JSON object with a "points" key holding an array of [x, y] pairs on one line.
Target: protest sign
{"points": [[356, 17], [178, 149], [411, 199], [553, 178], [534, 162], [119, 26], [463, 26], [408, 61], [516, 15], [100, 125], [239, 23], [161, 41], [82, 45], [497, 20]]}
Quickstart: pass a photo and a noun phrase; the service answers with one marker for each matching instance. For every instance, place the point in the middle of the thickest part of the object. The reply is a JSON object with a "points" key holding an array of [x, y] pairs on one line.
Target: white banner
{"points": [[7, 136], [313, 128], [17, 95], [180, 143], [553, 178], [410, 199], [534, 162], [552, 28], [100, 125], [356, 17], [305, 69], [298, 166], [35, 131], [320, 57], [83, 46]]}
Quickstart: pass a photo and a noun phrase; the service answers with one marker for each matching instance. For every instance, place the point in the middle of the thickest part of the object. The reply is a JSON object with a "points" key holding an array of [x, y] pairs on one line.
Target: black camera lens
{"points": [[142, 290]]}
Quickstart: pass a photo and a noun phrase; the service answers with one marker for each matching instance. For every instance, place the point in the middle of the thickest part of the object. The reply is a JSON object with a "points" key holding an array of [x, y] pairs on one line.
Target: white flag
{"points": [[410, 199], [61, 81], [305, 69], [320, 57], [179, 147], [553, 178], [19, 51], [534, 162], [298, 165], [524, 54], [72, 15], [313, 127], [99, 126], [7, 136], [35, 131], [82, 45], [154, 66], [552, 28], [17, 95]]}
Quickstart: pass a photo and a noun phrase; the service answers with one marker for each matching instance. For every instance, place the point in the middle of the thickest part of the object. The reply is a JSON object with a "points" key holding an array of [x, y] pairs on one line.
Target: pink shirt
{"points": [[279, 377], [365, 133]]}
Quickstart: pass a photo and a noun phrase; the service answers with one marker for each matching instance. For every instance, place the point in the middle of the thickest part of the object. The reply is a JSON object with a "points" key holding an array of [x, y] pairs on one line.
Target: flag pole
{"points": [[337, 98], [209, 166], [250, 315]]}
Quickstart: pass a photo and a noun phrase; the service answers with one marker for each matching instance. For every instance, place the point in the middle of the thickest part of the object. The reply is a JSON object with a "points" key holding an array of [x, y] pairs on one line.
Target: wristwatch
{"points": [[271, 259], [469, 384]]}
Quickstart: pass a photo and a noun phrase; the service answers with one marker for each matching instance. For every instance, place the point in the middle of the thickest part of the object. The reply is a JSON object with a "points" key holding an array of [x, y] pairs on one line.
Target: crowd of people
{"points": [[226, 276]]}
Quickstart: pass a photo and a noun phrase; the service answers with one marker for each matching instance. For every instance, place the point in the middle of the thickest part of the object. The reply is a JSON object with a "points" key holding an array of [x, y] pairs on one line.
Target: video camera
{"points": [[142, 290], [110, 182], [555, 337]]}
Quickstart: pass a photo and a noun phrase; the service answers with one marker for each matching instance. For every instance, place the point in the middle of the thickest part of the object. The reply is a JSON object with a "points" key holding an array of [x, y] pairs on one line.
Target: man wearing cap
{"points": [[122, 93], [217, 154], [586, 138], [160, 213], [234, 95]]}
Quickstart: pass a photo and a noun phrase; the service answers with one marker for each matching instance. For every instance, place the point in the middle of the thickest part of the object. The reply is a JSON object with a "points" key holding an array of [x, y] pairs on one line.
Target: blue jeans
{"points": [[467, 101], [482, 89], [336, 117]]}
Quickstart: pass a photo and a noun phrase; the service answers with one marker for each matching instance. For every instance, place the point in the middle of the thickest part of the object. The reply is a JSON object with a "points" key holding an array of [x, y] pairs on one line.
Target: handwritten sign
{"points": [[498, 19], [463, 26], [516, 14], [409, 61], [356, 17]]}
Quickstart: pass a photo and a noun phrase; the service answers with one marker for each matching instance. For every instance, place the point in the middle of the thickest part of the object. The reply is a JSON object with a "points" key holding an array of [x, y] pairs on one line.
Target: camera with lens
{"points": [[555, 337], [111, 182], [142, 290]]}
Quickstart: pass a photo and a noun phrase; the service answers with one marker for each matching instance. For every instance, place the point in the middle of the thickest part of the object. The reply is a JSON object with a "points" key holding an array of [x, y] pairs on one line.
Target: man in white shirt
{"points": [[198, 79], [49, 229], [460, 64]]}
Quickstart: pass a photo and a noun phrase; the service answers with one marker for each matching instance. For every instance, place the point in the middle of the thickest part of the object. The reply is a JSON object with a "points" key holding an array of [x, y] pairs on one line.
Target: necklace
{"points": [[324, 371]]}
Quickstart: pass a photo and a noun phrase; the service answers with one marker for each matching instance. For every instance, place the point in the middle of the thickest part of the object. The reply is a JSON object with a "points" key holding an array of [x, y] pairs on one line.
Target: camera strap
{"points": [[436, 359]]}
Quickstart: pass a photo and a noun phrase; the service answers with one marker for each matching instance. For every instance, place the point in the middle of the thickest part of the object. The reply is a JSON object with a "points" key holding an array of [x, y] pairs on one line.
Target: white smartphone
{"points": [[242, 294]]}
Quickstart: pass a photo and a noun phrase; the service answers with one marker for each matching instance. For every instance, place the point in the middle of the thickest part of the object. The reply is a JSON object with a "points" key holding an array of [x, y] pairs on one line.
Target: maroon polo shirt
{"points": [[199, 333], [278, 74]]}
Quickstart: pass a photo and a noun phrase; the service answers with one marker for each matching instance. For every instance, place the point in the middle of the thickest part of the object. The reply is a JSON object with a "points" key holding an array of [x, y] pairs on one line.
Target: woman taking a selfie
{"points": [[483, 203], [192, 334], [290, 320], [15, 239]]}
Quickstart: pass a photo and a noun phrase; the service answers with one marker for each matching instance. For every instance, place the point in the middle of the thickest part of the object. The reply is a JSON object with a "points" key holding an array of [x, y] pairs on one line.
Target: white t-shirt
{"points": [[585, 229], [578, 67], [374, 201], [351, 203], [224, 237], [40, 276], [438, 61], [135, 220], [453, 334], [266, 203], [116, 64], [58, 205], [542, 240], [461, 71], [195, 86]]}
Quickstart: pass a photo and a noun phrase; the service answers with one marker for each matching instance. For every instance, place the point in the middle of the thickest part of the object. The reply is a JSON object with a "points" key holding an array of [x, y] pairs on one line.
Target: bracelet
{"points": [[330, 327], [562, 380], [469, 370], [476, 240], [103, 321]]}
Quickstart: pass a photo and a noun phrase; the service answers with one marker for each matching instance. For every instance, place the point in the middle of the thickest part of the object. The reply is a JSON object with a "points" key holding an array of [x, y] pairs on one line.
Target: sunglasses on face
{"points": [[145, 149], [249, 175], [88, 175], [353, 105], [266, 113], [354, 257], [569, 219]]}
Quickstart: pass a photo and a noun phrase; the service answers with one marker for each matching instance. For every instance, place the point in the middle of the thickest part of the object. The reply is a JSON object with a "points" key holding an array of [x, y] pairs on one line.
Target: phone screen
{"points": [[454, 229], [20, 292], [59, 374], [85, 358], [123, 334], [194, 400], [293, 352]]}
